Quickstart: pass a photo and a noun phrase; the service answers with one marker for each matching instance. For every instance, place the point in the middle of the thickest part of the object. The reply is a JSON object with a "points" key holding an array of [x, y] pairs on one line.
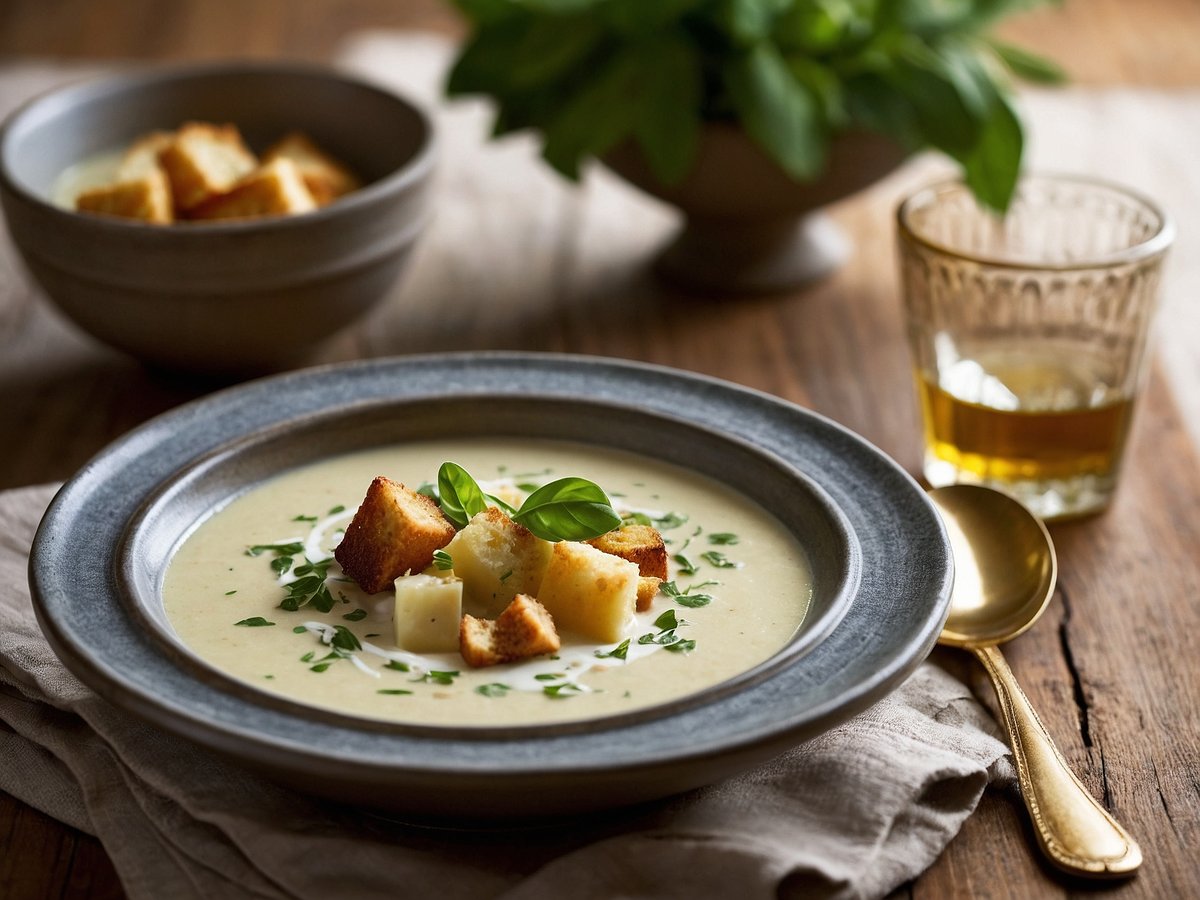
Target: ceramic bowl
{"points": [[236, 295]]}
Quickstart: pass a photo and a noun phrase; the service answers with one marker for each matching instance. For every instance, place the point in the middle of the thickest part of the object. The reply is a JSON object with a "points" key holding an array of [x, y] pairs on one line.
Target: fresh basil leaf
{"points": [[568, 509], [254, 622], [667, 621], [459, 494], [686, 566], [777, 111]]}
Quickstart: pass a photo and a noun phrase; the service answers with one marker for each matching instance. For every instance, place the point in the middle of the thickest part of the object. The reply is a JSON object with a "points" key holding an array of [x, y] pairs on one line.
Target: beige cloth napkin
{"points": [[851, 814]]}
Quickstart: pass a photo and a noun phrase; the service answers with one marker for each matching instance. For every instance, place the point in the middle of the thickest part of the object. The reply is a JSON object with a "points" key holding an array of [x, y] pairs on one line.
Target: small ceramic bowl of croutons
{"points": [[223, 219]]}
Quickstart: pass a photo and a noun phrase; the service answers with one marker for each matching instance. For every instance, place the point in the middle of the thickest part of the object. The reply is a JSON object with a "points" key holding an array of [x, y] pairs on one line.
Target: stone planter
{"points": [[750, 228]]}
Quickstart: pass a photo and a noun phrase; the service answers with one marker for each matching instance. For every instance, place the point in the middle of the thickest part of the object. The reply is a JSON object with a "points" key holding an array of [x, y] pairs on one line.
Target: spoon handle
{"points": [[1074, 831]]}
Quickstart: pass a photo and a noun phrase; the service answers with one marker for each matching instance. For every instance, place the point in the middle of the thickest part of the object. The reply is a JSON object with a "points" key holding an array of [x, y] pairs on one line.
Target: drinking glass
{"points": [[1029, 333]]}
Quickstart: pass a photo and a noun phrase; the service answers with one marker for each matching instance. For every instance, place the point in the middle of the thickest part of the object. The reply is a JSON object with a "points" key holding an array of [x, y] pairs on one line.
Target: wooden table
{"points": [[1112, 667]]}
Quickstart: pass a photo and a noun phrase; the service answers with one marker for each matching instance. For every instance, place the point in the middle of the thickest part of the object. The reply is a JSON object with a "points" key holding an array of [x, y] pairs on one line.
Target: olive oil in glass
{"points": [[1045, 424]]}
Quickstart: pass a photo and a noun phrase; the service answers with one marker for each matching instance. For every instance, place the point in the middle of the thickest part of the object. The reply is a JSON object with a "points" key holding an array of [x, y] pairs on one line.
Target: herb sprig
{"points": [[567, 509]]}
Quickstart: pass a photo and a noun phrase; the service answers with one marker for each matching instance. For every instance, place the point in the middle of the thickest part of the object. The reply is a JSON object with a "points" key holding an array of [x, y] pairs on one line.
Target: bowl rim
{"points": [[408, 174]]}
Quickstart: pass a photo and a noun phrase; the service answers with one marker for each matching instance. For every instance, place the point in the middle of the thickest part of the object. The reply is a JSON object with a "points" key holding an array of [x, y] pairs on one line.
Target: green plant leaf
{"points": [[597, 116], [992, 168], [668, 126], [551, 46], [777, 111], [1028, 66], [459, 494], [750, 21], [637, 18], [569, 509]]}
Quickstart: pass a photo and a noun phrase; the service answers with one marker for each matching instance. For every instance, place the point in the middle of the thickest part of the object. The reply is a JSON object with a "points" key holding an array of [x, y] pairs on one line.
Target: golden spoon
{"points": [[1005, 571]]}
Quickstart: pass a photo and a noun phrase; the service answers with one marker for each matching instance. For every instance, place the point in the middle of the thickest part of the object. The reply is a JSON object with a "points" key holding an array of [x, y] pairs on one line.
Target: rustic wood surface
{"points": [[1112, 667]]}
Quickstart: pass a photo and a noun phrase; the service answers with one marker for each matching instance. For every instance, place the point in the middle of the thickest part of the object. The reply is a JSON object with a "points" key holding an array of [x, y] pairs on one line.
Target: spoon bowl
{"points": [[1005, 570], [1005, 567]]}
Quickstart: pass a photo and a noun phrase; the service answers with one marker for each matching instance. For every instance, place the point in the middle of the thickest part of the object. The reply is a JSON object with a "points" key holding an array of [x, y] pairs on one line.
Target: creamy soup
{"points": [[738, 591]]}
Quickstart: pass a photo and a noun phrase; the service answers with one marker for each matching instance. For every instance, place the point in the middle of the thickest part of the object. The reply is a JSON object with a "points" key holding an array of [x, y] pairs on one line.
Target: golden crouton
{"points": [[141, 157], [327, 179], [394, 531], [589, 591], [147, 198], [497, 559], [640, 544], [647, 590], [204, 160], [523, 630], [275, 189]]}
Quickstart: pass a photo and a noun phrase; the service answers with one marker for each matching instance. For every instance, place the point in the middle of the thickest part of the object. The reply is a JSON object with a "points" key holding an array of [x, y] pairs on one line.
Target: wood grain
{"points": [[1112, 666]]}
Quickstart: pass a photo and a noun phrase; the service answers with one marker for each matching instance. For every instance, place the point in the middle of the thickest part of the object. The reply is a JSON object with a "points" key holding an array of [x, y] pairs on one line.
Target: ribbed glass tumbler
{"points": [[1029, 334]]}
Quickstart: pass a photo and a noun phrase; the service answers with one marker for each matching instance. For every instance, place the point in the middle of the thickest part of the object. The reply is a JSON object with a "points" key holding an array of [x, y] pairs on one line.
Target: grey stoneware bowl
{"points": [[230, 297], [878, 554]]}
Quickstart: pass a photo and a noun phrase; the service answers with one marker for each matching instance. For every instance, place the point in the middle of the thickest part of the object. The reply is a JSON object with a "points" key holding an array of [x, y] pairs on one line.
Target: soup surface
{"points": [[738, 591]]}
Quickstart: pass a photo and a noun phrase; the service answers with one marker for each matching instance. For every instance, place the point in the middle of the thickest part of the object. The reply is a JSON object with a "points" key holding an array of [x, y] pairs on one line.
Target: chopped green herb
{"points": [[718, 559], [305, 519], [356, 616], [299, 629], [723, 537], [436, 677], [373, 634], [550, 676], [268, 677], [507, 575], [686, 566], [289, 549], [681, 646], [618, 652], [309, 587], [254, 622], [308, 657], [429, 490], [495, 689], [320, 667], [561, 691], [670, 520], [528, 486], [668, 620], [280, 564], [344, 639], [693, 601], [686, 597], [442, 560], [397, 666], [337, 509], [230, 593], [636, 518], [393, 691]]}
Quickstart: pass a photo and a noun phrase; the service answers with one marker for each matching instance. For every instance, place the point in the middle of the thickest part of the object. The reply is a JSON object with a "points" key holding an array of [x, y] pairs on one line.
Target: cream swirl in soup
{"points": [[738, 588]]}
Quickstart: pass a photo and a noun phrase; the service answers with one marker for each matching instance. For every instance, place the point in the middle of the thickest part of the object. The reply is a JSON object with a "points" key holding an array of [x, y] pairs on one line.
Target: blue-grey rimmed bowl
{"points": [[880, 556]]}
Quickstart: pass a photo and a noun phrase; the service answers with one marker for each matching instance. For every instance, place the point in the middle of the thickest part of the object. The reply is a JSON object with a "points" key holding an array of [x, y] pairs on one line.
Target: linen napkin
{"points": [[851, 814]]}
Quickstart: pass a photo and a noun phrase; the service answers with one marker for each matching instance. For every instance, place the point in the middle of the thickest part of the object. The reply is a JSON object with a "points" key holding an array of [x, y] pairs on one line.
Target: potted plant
{"points": [[751, 114]]}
